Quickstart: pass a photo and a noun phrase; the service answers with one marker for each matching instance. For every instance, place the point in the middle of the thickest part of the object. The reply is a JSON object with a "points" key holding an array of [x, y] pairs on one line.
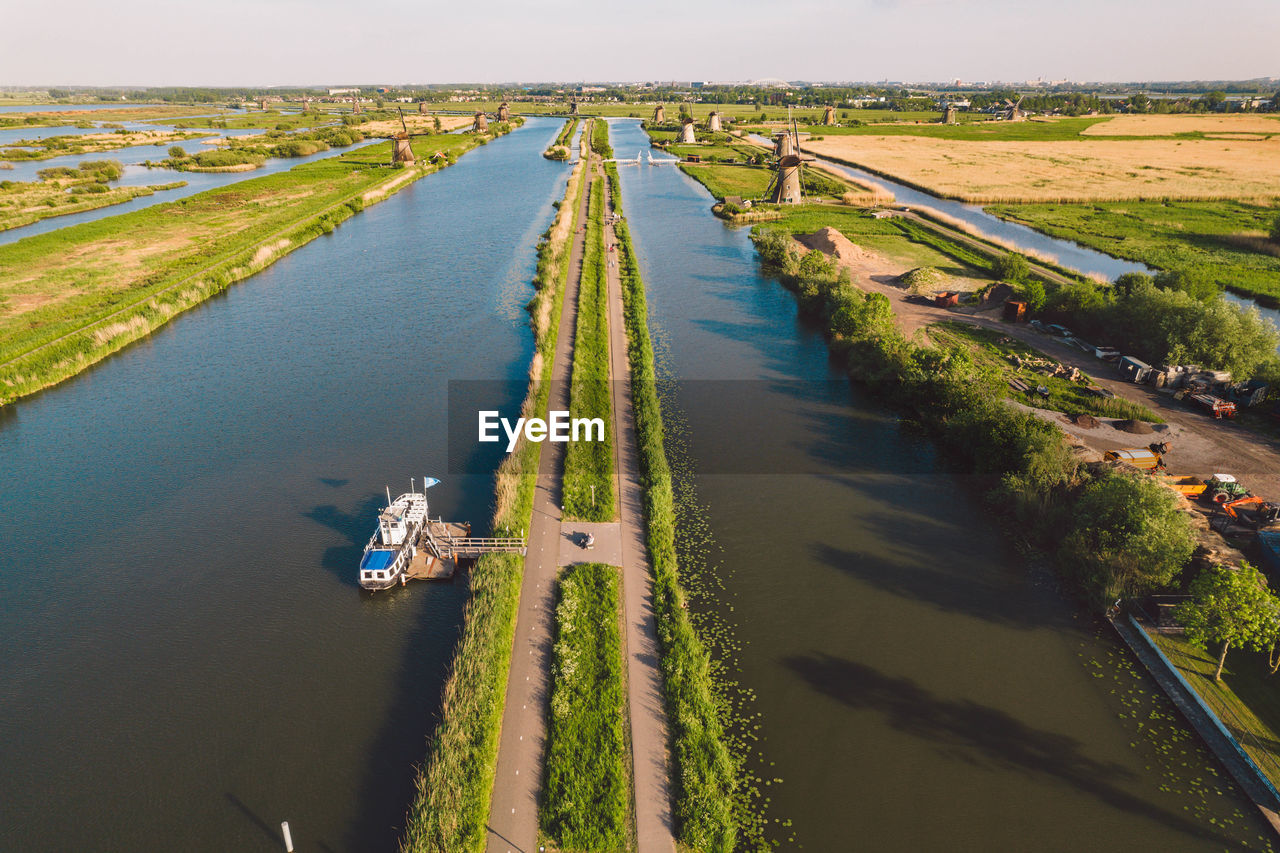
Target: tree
{"points": [[1231, 607], [1128, 537], [177, 152], [1011, 267], [1033, 292]]}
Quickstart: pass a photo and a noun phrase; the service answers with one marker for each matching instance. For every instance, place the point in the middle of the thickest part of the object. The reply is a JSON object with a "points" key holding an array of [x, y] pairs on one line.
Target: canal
{"points": [[918, 685], [187, 658]]}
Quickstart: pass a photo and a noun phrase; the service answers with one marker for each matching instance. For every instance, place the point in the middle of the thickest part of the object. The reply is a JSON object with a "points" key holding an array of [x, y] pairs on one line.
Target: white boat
{"points": [[394, 543]]}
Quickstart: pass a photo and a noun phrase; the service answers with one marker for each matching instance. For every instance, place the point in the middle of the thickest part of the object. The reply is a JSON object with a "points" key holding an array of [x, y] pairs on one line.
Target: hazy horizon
{"points": [[290, 43]]}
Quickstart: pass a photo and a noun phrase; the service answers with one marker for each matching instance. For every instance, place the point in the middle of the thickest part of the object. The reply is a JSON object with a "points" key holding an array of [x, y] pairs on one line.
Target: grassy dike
{"points": [[451, 808], [586, 800], [588, 465], [71, 297], [706, 775]]}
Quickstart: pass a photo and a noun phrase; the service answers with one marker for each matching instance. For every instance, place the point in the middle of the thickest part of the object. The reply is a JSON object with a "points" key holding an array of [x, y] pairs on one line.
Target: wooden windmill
{"points": [[573, 107], [785, 188], [355, 105], [504, 112], [686, 132], [659, 114], [713, 122], [422, 108], [1013, 110], [402, 152], [829, 116], [481, 123]]}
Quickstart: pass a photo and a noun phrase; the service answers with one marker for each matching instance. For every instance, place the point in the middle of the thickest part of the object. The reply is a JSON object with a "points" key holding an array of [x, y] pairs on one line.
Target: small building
{"points": [[1015, 310], [883, 214], [1134, 370], [693, 158]]}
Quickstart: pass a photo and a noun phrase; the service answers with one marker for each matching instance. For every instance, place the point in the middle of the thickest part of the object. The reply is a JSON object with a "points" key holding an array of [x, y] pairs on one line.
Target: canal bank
{"points": [[904, 661], [196, 646]]}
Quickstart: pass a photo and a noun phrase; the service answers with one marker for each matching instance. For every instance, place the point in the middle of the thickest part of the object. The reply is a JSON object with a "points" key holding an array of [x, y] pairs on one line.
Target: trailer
{"points": [[1219, 407], [1134, 370], [1192, 487], [1144, 458]]}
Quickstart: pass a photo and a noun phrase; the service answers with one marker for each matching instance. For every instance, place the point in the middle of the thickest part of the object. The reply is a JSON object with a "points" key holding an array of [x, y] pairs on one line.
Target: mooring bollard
{"points": [[288, 839]]}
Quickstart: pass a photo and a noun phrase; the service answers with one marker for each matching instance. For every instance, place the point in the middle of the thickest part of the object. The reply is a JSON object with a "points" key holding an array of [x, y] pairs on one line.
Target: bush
{"points": [[1034, 294], [177, 152], [1011, 267]]}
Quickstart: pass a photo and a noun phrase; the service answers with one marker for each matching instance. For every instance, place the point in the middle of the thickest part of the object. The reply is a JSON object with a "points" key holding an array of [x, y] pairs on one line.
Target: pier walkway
{"points": [[513, 810], [655, 827]]}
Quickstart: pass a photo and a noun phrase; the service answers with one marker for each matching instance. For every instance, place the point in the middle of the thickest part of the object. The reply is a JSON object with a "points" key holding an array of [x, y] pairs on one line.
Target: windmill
{"points": [[402, 151], [829, 116], [686, 132], [504, 112], [422, 108], [306, 105], [1013, 111], [785, 188], [573, 107], [481, 123], [659, 114], [355, 105], [713, 122], [949, 113]]}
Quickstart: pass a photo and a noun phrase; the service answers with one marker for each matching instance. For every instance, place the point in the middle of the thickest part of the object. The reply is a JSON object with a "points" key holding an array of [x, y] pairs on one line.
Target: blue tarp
{"points": [[1269, 544], [376, 561]]}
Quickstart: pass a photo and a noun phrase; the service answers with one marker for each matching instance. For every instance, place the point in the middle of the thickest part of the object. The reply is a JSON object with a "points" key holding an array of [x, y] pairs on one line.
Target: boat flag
{"points": [[428, 482]]}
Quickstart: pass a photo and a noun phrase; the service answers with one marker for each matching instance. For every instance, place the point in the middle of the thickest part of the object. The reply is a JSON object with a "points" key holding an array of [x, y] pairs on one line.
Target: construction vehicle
{"points": [[1221, 488], [1219, 407], [1149, 458], [1192, 487], [1252, 511]]}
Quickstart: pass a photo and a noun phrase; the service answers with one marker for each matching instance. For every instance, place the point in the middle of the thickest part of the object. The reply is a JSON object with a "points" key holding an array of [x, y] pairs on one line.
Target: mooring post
{"points": [[593, 496], [288, 839]]}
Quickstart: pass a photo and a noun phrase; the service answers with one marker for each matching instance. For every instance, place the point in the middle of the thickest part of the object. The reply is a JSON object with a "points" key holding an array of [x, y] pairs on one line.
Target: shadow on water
{"points": [[341, 560], [981, 735], [333, 482], [271, 832]]}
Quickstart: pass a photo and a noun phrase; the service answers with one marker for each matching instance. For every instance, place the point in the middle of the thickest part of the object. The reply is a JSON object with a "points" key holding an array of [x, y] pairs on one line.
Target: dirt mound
{"points": [[829, 241], [1083, 421], [1134, 427]]}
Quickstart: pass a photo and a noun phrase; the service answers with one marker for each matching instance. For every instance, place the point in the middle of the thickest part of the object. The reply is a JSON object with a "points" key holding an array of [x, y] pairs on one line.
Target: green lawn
{"points": [[1247, 700], [1223, 239], [586, 803], [747, 181], [993, 349]]}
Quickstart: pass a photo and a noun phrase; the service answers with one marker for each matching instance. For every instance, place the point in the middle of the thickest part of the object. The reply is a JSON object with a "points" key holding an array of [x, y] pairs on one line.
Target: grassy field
{"points": [[586, 801], [588, 465], [712, 803], [992, 349], [75, 191], [91, 143], [750, 182], [1174, 125], [451, 808], [1246, 700], [55, 115], [1225, 240], [70, 297], [1077, 170]]}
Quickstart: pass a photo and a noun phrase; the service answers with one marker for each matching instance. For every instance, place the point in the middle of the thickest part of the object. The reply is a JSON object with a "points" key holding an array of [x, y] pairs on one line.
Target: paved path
{"points": [[655, 832], [513, 811]]}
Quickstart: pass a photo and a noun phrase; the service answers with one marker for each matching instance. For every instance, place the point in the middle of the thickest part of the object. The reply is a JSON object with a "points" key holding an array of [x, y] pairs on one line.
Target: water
{"points": [[187, 660], [919, 686]]}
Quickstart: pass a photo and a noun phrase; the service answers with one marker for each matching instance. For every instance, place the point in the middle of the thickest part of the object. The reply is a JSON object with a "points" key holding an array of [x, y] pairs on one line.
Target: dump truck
{"points": [[1144, 458]]}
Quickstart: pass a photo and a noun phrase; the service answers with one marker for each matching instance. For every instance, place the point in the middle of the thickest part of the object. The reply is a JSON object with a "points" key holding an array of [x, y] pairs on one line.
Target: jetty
{"points": [[442, 545]]}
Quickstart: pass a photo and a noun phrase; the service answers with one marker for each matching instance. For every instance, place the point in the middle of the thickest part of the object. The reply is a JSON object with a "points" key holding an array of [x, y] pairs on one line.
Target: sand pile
{"points": [[829, 241], [1084, 421], [1134, 427]]}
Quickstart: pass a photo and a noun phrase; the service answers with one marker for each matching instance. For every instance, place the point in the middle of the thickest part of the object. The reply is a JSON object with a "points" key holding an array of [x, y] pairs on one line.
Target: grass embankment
{"points": [[243, 153], [451, 808], [91, 143], [600, 138], [1245, 701], [586, 804], [588, 465], [71, 297], [992, 349], [709, 799], [1225, 240], [64, 190], [559, 150]]}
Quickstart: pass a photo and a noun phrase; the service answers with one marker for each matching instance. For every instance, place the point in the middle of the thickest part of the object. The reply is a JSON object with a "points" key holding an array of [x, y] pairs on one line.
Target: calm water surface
{"points": [[920, 688], [187, 659]]}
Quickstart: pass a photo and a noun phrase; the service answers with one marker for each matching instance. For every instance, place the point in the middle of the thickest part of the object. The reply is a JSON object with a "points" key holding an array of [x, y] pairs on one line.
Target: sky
{"points": [[390, 42]]}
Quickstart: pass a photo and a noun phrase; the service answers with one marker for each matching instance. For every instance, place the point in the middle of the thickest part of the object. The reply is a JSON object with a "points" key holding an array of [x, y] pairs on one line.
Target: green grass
{"points": [[451, 809], [993, 349], [1222, 239], [750, 182], [588, 465], [1246, 701], [91, 301], [586, 804], [600, 139], [710, 804]]}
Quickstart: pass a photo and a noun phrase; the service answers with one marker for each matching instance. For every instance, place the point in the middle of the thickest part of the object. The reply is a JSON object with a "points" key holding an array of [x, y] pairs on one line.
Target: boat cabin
{"points": [[393, 528]]}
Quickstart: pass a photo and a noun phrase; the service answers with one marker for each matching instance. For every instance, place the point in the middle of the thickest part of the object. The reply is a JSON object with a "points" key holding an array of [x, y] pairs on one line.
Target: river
{"points": [[918, 686], [187, 659]]}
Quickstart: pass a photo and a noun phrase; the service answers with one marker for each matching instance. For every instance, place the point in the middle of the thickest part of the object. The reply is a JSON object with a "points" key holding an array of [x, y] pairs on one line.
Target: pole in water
{"points": [[288, 839], [593, 495]]}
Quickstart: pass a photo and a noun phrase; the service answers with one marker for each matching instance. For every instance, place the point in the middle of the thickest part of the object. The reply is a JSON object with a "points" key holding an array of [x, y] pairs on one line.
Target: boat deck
{"points": [[427, 566]]}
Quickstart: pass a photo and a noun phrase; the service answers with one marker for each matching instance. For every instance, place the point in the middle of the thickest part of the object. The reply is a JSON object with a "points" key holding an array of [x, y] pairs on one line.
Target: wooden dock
{"points": [[442, 545]]}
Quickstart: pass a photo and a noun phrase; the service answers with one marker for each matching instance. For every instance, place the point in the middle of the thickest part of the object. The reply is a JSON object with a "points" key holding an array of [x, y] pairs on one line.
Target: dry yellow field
{"points": [[1168, 125], [1084, 170]]}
